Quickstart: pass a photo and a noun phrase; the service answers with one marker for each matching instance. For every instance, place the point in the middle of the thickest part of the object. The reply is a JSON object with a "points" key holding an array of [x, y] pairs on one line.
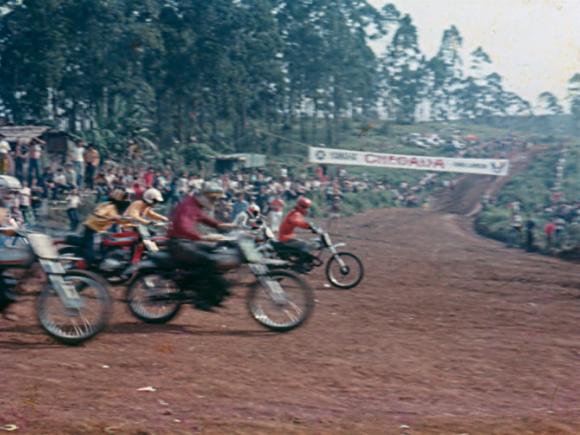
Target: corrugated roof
{"points": [[13, 133]]}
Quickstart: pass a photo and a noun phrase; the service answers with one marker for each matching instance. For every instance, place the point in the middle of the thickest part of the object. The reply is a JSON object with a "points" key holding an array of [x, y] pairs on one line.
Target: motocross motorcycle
{"points": [[118, 252], [73, 306], [277, 299], [343, 270]]}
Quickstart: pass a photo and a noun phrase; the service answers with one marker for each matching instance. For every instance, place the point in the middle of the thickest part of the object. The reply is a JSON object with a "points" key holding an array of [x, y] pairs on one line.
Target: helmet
{"points": [[212, 190], [118, 195], [152, 196], [8, 185], [254, 210], [303, 204]]}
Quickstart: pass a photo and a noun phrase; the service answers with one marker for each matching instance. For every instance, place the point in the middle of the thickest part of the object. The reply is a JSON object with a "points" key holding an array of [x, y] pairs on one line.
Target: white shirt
{"points": [[78, 154], [73, 201]]}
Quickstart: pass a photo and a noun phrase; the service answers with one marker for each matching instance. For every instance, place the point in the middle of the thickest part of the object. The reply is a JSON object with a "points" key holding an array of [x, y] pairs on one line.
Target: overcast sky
{"points": [[534, 44]]}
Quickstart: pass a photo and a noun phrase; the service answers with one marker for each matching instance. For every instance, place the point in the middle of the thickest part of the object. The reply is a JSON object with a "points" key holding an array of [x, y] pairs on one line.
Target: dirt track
{"points": [[449, 333]]}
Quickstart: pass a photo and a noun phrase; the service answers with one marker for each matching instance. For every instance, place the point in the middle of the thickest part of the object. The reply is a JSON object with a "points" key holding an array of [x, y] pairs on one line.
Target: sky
{"points": [[534, 44]]}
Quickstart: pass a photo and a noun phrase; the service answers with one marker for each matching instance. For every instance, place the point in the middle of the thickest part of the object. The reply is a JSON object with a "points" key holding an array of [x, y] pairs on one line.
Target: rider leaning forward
{"points": [[142, 211], [189, 248], [296, 219], [102, 219]]}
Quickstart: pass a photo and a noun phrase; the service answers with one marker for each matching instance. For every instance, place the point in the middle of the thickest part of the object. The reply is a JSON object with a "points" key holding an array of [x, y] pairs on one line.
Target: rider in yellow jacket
{"points": [[142, 210]]}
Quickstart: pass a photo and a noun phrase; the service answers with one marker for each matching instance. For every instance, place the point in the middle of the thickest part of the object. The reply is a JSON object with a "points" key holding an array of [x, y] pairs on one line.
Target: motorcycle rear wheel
{"points": [[143, 289]]}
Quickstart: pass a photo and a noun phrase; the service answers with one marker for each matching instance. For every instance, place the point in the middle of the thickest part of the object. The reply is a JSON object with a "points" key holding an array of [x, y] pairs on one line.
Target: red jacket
{"points": [[185, 218], [293, 220]]}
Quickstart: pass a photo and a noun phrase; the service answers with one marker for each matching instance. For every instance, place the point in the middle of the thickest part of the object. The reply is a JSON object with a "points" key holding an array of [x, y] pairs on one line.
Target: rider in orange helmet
{"points": [[296, 219]]}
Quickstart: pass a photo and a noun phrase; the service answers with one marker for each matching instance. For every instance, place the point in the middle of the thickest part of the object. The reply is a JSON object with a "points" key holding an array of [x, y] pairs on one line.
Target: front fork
{"points": [[275, 290], [338, 259], [66, 291]]}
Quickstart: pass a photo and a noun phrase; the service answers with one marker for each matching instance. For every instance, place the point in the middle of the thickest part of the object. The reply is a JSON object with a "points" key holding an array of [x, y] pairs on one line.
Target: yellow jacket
{"points": [[103, 218], [142, 212]]}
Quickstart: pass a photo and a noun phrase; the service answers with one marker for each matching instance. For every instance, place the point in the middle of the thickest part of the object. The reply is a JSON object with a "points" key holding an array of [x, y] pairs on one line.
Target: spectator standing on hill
{"points": [[549, 231], [78, 161], [149, 177], [73, 201], [559, 231], [20, 154], [516, 230], [92, 160], [34, 159], [530, 225]]}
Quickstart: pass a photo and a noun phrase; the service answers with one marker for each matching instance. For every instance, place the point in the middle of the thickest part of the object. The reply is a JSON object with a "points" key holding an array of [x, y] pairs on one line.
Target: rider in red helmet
{"points": [[296, 219]]}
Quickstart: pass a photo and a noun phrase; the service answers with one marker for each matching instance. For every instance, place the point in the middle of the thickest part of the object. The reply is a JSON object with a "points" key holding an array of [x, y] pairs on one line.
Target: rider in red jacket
{"points": [[191, 249], [296, 219]]}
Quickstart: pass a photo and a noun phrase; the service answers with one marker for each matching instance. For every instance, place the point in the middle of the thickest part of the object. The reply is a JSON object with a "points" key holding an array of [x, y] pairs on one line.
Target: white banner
{"points": [[399, 161]]}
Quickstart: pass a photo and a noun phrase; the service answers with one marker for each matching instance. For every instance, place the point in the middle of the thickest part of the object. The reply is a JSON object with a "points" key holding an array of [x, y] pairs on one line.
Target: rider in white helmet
{"points": [[248, 218], [142, 209]]}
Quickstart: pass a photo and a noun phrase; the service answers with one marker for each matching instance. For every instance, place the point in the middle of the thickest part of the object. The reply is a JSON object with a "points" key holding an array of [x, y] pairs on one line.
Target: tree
{"points": [[574, 95], [548, 104], [447, 73], [402, 68]]}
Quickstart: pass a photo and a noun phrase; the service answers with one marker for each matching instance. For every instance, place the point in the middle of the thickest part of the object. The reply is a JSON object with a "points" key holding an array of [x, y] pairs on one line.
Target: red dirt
{"points": [[448, 333]]}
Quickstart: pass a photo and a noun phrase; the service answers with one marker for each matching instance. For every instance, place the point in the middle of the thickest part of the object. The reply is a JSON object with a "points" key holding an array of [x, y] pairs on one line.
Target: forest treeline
{"points": [[224, 72]]}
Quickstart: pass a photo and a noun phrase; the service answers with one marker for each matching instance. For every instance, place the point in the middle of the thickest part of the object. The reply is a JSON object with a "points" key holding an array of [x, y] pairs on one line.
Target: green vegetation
{"points": [[198, 77]]}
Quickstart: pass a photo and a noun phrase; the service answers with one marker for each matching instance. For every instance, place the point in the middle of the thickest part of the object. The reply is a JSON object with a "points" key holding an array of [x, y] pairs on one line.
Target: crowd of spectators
{"points": [[83, 177]]}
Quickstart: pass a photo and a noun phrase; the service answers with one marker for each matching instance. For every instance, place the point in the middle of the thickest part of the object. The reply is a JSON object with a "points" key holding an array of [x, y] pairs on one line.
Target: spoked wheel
{"points": [[344, 270], [74, 326], [286, 305], [149, 298]]}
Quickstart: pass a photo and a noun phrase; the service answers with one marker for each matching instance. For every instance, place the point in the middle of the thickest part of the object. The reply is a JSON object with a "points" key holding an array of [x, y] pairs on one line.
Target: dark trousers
{"points": [[190, 254], [19, 168], [300, 246], [88, 245], [33, 167], [89, 176], [73, 217]]}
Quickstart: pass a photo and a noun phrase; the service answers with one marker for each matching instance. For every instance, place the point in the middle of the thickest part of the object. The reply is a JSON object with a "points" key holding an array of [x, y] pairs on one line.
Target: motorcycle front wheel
{"points": [[283, 304], [344, 270], [73, 326], [149, 298]]}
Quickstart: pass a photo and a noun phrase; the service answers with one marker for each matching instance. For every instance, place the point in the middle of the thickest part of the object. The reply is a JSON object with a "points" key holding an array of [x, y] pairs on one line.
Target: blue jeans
{"points": [[73, 216], [80, 170], [33, 166]]}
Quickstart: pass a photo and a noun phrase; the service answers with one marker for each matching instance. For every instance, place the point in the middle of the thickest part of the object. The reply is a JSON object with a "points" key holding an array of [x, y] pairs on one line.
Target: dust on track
{"points": [[448, 333]]}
